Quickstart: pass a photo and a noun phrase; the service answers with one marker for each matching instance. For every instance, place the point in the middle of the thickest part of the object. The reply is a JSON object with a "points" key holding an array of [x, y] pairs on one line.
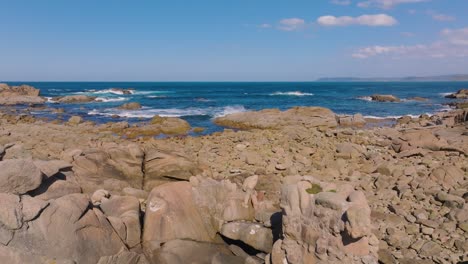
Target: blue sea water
{"points": [[200, 102]]}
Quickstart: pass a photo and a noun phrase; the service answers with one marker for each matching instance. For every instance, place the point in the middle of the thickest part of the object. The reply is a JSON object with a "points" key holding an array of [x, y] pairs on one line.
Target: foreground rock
{"points": [[276, 119], [460, 94], [393, 194], [23, 94], [324, 223]]}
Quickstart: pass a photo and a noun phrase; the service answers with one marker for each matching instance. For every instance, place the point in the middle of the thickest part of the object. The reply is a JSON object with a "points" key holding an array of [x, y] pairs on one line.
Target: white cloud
{"points": [[454, 43], [456, 36], [365, 20], [265, 25], [341, 2], [386, 4], [442, 17], [291, 24]]}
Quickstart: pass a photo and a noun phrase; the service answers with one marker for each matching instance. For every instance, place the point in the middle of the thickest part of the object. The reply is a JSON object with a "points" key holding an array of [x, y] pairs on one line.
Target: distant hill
{"points": [[441, 78]]}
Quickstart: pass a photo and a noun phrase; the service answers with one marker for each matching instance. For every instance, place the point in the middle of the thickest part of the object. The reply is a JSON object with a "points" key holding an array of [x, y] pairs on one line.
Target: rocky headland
{"points": [[298, 186]]}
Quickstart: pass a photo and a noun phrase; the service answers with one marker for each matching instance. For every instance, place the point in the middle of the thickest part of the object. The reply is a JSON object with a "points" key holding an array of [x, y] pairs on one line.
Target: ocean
{"points": [[200, 102]]}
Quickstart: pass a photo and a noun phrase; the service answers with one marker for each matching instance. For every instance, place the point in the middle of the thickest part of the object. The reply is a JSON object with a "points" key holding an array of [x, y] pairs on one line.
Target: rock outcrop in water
{"points": [[460, 94], [23, 94], [310, 187], [70, 99], [276, 119], [384, 98]]}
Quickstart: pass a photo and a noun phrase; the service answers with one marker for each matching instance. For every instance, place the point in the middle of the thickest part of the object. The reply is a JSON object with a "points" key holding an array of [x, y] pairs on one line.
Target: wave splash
{"points": [[170, 112], [294, 93]]}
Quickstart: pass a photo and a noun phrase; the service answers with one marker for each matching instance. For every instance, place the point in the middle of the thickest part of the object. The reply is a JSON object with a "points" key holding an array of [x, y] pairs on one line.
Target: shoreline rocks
{"points": [[460, 94], [23, 94], [307, 189]]}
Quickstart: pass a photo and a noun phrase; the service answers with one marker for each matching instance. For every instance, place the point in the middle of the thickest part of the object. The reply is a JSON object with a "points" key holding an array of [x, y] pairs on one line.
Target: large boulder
{"points": [[171, 213], [22, 90], [112, 167], [324, 223], [124, 212], [23, 94], [252, 234], [163, 165], [356, 120], [276, 119], [19, 176], [18, 100], [186, 251], [68, 229]]}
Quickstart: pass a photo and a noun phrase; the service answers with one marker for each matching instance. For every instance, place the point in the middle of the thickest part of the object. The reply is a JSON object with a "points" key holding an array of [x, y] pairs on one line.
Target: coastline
{"points": [[298, 179]]}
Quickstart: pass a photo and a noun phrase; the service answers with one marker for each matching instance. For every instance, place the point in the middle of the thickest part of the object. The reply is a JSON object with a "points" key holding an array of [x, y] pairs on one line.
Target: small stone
{"points": [[463, 226], [427, 230], [430, 249]]}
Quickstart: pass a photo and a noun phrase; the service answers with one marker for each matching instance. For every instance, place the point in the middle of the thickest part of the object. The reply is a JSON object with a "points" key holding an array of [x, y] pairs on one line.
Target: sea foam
{"points": [[294, 93], [170, 112]]}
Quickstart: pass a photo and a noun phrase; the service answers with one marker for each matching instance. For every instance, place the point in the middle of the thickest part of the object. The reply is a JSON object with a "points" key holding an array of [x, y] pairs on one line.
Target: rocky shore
{"points": [[298, 186]]}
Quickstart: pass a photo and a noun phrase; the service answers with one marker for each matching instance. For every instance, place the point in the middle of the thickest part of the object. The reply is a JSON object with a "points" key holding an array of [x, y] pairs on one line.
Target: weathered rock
{"points": [[94, 167], [130, 106], [252, 234], [11, 216], [335, 223], [384, 98], [171, 125], [51, 167], [171, 213], [19, 176], [32, 207], [14, 256], [275, 119], [186, 251], [124, 257], [161, 165], [127, 209], [356, 120], [99, 196], [74, 99], [69, 229], [24, 94], [447, 176], [54, 188], [75, 120], [460, 94]]}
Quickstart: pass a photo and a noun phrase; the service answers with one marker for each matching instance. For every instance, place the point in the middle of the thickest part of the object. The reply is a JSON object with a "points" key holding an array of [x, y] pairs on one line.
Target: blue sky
{"points": [[221, 40]]}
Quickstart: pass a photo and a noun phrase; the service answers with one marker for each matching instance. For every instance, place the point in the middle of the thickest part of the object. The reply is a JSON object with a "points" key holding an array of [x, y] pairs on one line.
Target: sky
{"points": [[230, 40]]}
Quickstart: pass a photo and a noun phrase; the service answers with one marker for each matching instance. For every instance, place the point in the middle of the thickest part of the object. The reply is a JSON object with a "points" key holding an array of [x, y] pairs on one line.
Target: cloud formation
{"points": [[341, 2], [386, 4], [365, 20], [291, 24], [454, 43], [442, 17]]}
